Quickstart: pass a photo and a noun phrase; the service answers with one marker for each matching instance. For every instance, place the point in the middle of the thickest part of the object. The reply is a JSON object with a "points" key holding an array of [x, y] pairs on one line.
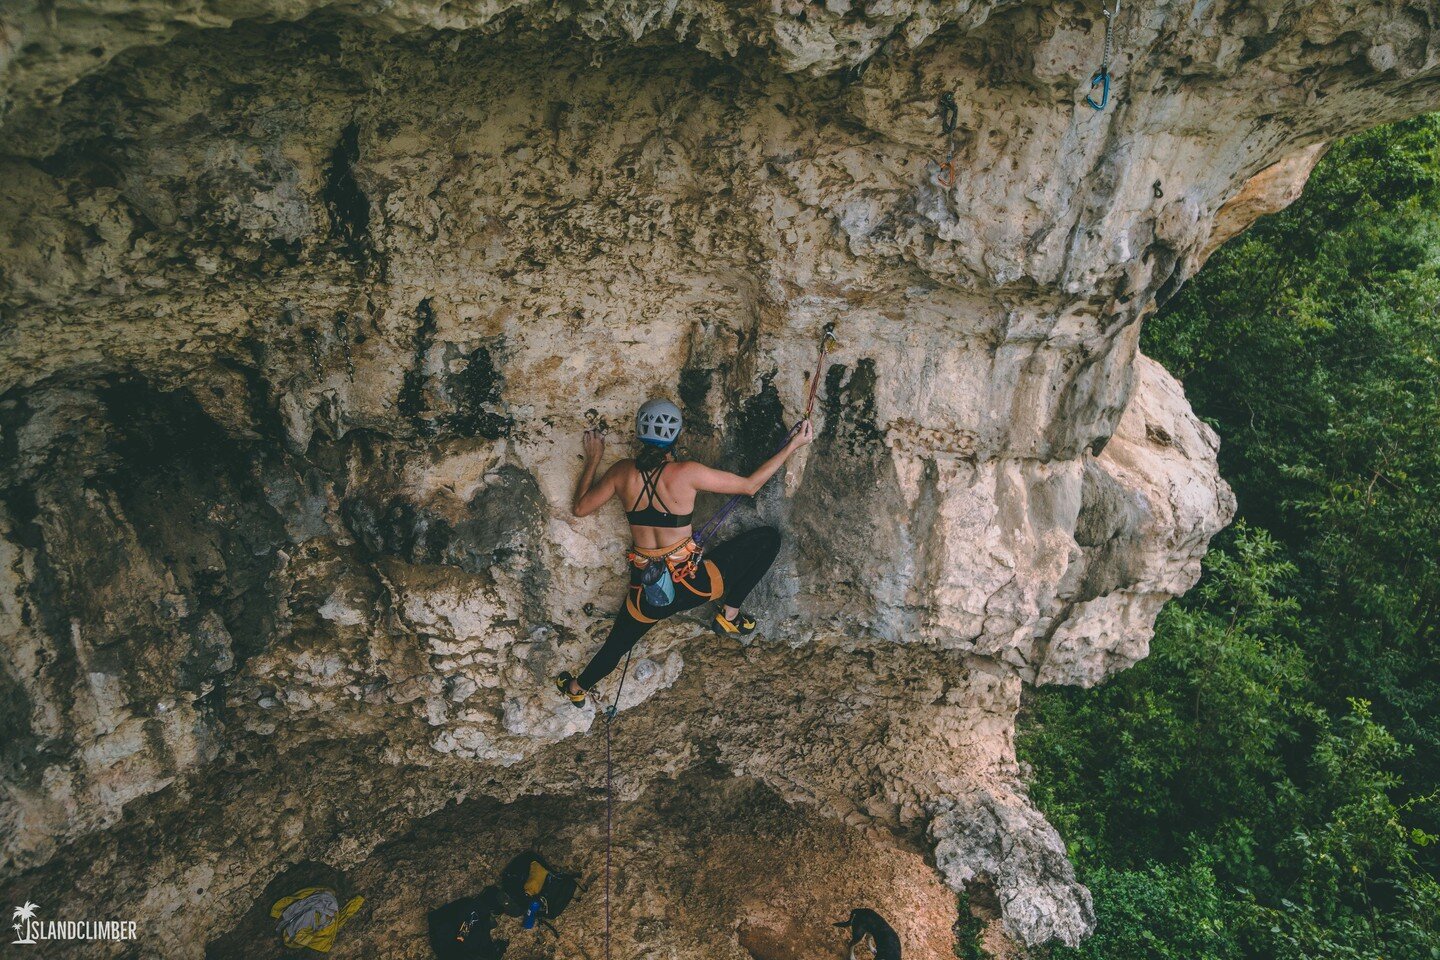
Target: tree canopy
{"points": [[1265, 784]]}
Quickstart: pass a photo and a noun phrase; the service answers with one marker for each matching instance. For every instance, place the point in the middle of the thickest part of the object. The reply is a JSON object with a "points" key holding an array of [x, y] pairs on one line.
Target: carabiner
{"points": [[949, 112], [1102, 77], [946, 176]]}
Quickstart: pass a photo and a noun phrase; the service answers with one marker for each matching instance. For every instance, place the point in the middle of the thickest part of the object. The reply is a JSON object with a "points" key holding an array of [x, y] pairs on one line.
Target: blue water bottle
{"points": [[531, 915]]}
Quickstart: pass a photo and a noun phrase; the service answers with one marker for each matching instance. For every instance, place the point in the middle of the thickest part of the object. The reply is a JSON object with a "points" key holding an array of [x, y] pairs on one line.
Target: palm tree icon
{"points": [[21, 916]]}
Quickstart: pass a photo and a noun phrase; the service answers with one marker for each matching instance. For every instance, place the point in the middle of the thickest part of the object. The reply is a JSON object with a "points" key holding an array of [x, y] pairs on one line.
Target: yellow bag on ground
{"points": [[536, 881], [312, 917]]}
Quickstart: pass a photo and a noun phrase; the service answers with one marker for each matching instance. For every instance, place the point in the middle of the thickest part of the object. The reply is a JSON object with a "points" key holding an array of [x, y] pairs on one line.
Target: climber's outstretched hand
{"points": [[594, 444], [804, 434]]}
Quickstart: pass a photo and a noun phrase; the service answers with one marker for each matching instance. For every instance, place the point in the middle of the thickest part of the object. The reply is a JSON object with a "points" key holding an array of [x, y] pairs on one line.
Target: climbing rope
{"points": [[1102, 76], [610, 712], [827, 337], [712, 526], [609, 824]]}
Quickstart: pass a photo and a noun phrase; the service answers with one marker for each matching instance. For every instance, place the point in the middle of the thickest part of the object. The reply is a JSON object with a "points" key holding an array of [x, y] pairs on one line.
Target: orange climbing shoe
{"points": [[562, 683], [741, 626]]}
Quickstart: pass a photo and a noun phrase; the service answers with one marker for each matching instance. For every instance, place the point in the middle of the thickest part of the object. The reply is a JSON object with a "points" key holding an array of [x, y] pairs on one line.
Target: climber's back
{"points": [[659, 495], [657, 490]]}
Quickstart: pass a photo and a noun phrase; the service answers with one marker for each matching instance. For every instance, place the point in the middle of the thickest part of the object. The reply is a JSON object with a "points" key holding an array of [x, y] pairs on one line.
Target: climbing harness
{"points": [[661, 569], [1102, 76], [949, 117], [712, 526]]}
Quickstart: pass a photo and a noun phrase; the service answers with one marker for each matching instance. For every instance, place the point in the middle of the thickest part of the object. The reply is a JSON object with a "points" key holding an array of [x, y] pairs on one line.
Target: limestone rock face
{"points": [[305, 305]]}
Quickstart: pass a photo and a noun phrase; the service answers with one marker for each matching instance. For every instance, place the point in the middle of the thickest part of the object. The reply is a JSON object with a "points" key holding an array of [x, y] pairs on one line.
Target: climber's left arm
{"points": [[591, 494]]}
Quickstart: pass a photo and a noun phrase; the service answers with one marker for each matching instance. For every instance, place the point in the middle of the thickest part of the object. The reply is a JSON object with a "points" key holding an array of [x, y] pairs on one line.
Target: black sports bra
{"points": [[649, 516]]}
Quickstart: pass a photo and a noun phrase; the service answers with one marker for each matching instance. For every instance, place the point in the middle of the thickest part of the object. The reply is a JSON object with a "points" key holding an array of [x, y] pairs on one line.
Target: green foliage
{"points": [[1201, 710], [1161, 913], [968, 932], [1264, 784], [1313, 346]]}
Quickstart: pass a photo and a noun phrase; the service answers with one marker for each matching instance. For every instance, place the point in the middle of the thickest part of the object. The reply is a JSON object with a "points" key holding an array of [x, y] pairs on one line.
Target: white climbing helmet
{"points": [[658, 422]]}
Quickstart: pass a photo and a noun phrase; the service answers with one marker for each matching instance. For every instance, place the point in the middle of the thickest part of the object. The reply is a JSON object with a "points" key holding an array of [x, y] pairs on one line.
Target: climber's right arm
{"points": [[711, 480]]}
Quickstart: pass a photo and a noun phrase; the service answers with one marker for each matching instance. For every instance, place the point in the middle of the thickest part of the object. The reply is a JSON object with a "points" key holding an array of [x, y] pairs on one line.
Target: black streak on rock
{"points": [[264, 418], [1167, 265], [475, 392], [506, 518], [694, 390], [411, 402], [21, 747], [346, 203], [850, 406], [759, 426], [194, 497]]}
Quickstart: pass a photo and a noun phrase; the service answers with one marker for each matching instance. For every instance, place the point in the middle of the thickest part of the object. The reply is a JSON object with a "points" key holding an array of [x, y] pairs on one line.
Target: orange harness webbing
{"points": [[682, 558], [637, 554]]}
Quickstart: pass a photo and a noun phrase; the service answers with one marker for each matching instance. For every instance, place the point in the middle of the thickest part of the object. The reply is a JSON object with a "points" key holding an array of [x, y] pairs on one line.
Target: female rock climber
{"points": [[668, 573]]}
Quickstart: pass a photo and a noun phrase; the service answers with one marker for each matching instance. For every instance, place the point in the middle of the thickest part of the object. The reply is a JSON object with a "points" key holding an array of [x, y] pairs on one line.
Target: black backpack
{"points": [[557, 888], [464, 929]]}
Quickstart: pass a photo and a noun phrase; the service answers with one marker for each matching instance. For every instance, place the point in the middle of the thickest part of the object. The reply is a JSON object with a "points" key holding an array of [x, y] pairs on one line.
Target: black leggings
{"points": [[742, 561]]}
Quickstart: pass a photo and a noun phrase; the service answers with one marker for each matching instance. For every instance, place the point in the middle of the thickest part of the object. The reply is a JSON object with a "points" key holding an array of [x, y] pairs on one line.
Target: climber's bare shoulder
{"points": [[702, 479], [624, 477]]}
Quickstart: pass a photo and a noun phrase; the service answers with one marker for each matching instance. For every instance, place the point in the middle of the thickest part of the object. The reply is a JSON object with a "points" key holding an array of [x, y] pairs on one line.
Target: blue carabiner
{"points": [[1102, 77]]}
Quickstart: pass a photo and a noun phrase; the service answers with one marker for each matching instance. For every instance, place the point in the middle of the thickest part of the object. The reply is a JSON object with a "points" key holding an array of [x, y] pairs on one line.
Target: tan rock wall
{"points": [[304, 307]]}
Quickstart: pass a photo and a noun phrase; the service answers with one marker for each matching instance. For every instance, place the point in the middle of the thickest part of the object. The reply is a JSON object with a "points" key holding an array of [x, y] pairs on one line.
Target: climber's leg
{"points": [[626, 632], [636, 616], [742, 561]]}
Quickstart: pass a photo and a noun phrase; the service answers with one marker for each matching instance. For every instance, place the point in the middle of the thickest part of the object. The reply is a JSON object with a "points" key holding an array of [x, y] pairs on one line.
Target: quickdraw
{"points": [[949, 118], [853, 72], [1102, 76], [949, 112]]}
